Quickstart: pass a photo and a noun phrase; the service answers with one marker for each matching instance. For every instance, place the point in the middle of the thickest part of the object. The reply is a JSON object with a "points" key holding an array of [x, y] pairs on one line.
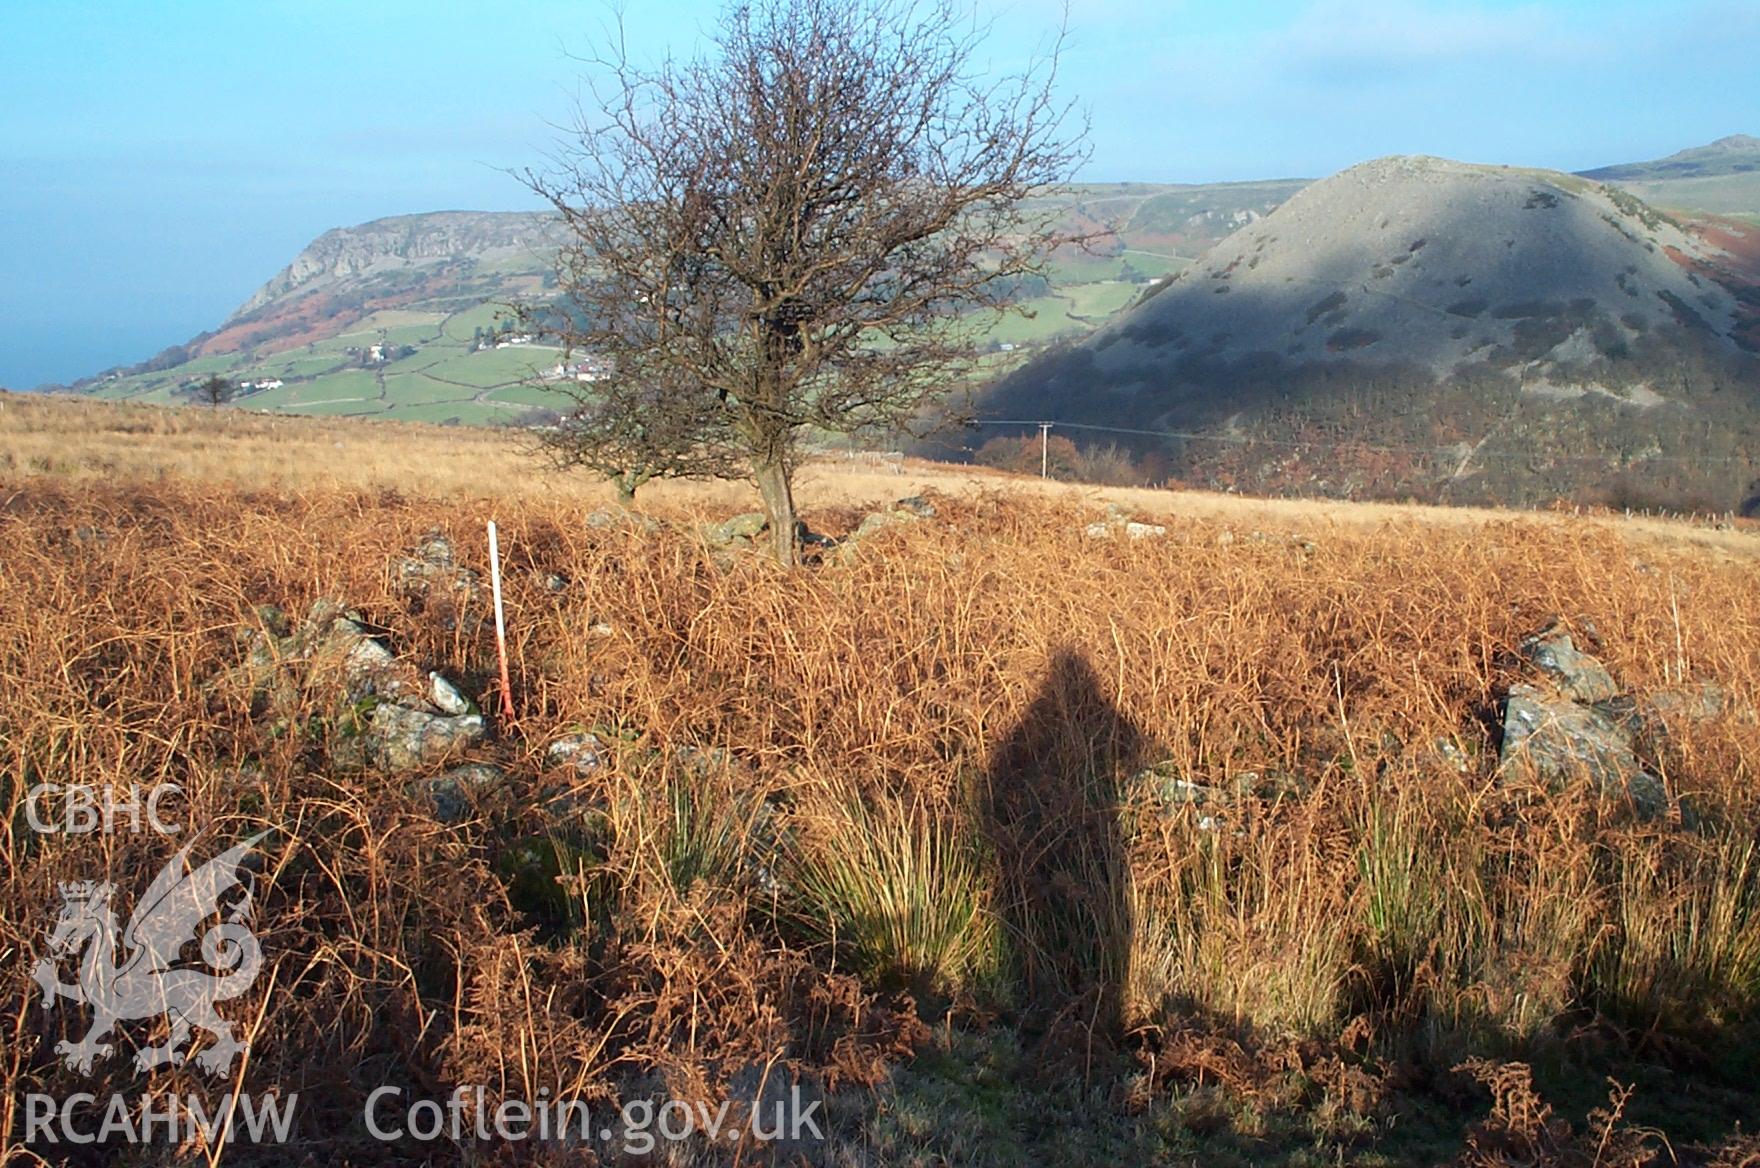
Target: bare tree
{"points": [[799, 231], [634, 430], [216, 391]]}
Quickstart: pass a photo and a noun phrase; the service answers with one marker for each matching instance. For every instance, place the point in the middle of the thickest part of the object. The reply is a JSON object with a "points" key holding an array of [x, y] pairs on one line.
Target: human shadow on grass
{"points": [[1050, 808]]}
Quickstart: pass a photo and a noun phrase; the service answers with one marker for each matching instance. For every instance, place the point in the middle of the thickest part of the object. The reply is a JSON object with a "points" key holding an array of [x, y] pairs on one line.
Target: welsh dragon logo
{"points": [[152, 979]]}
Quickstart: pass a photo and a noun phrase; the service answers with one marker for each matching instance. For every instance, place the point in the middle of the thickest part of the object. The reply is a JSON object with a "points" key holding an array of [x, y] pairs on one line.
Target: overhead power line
{"points": [[1378, 448]]}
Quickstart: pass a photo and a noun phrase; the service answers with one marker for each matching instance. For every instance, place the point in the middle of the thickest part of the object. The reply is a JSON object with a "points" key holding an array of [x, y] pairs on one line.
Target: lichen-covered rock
{"points": [[1130, 529], [747, 526], [401, 739], [1661, 713], [372, 708], [365, 658], [583, 752], [455, 792], [1448, 753], [876, 521], [1578, 675], [1561, 741], [916, 505], [611, 518], [274, 620], [368, 668]]}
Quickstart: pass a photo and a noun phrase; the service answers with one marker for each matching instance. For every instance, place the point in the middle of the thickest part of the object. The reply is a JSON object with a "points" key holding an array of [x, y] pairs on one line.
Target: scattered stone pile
{"points": [[1118, 522], [339, 682], [385, 713], [433, 580], [912, 509], [743, 532], [1577, 724], [1571, 723], [1300, 544]]}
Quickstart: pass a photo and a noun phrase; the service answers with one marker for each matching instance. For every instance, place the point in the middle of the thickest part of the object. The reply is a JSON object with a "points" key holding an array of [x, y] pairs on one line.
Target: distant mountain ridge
{"points": [[390, 316], [434, 282], [384, 253], [1722, 178], [1736, 154]]}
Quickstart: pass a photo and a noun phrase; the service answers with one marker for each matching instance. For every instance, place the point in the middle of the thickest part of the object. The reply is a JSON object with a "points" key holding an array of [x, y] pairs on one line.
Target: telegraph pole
{"points": [[1044, 448]]}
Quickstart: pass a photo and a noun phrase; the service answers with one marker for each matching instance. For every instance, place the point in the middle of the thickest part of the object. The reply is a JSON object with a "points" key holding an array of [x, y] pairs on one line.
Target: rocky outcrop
{"points": [[1578, 726], [375, 709], [1118, 522], [380, 710], [455, 793], [404, 242], [581, 752], [747, 526], [404, 737], [1580, 677], [911, 509], [433, 580], [1561, 741]]}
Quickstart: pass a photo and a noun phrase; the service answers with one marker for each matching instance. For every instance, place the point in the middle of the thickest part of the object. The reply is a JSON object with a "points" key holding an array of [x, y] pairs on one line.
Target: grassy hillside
{"points": [[1721, 178], [1737, 195], [429, 282], [1011, 844], [441, 378], [1424, 329]]}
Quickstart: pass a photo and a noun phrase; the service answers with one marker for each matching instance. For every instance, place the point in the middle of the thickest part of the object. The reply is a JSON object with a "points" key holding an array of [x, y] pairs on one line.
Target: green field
{"points": [[1096, 302], [440, 379]]}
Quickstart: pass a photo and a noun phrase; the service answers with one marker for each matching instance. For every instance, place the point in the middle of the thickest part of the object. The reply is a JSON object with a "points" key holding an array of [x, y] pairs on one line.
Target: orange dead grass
{"points": [[1151, 801], [82, 439]]}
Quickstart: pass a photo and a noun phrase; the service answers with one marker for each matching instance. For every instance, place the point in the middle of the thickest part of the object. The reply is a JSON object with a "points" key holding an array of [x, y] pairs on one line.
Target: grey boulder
{"points": [[1559, 741], [1578, 675], [402, 739]]}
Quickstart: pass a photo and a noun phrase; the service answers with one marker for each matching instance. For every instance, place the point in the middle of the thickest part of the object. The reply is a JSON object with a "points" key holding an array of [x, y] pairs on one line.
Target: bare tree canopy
{"points": [[216, 390], [633, 430], [791, 234]]}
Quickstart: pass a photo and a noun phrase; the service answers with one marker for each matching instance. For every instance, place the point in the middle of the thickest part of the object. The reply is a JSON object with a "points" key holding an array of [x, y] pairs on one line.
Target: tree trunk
{"points": [[778, 493]]}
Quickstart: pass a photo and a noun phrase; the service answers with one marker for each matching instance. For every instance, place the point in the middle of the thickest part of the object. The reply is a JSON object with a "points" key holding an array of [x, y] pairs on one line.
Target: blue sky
{"points": [[159, 161]]}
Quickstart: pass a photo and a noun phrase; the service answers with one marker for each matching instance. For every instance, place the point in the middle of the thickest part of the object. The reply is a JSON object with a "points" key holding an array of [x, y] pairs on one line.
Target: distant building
{"points": [[588, 369]]}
